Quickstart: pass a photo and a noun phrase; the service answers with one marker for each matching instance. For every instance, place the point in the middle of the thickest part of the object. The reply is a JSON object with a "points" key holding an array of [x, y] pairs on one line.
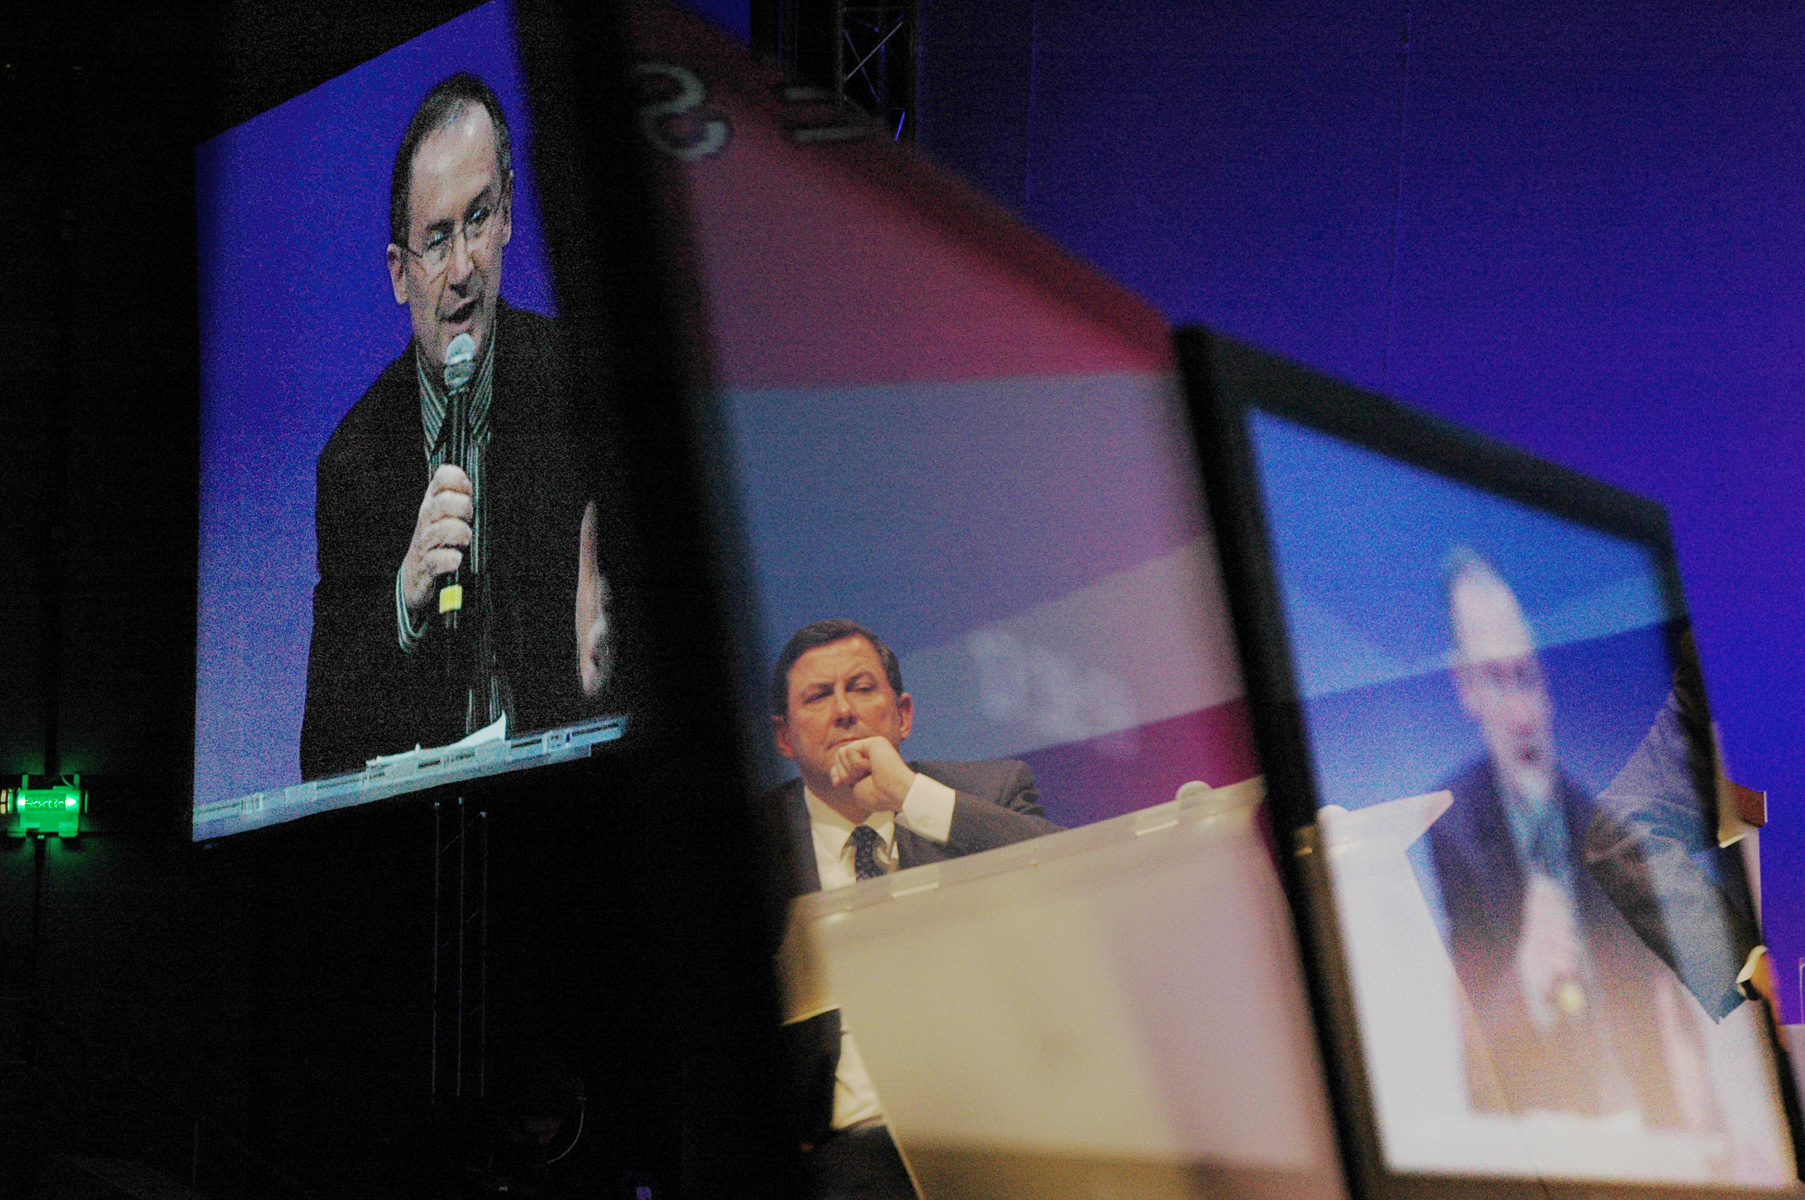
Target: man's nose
{"points": [[1524, 708], [843, 708], [458, 269]]}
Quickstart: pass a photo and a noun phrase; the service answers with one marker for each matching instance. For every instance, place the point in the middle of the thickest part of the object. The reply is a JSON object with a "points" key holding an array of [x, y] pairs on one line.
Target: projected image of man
{"points": [[1561, 993], [459, 577]]}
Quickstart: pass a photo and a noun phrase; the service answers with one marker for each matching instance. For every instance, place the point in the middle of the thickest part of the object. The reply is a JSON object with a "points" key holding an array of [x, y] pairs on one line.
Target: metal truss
{"points": [[862, 51]]}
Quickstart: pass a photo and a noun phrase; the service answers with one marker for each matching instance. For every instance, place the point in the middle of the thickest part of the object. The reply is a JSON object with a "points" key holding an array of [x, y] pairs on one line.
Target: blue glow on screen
{"points": [[1359, 541]]}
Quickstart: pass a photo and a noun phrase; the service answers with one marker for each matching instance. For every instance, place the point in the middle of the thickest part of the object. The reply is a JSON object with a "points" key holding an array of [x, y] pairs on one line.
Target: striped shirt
{"points": [[489, 697]]}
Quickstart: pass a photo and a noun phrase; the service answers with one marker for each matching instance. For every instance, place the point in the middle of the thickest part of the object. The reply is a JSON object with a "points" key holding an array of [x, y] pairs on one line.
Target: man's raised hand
{"points": [[873, 772], [1547, 958], [440, 534], [595, 650]]}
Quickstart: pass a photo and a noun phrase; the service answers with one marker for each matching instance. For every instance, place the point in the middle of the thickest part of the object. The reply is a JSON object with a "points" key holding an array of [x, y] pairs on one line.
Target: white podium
{"points": [[1116, 1010]]}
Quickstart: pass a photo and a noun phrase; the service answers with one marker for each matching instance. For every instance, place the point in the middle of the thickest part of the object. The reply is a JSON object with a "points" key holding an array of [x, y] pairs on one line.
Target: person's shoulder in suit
{"points": [[1005, 781], [785, 817], [1475, 793], [371, 424], [787, 792], [524, 330], [997, 804], [529, 365]]}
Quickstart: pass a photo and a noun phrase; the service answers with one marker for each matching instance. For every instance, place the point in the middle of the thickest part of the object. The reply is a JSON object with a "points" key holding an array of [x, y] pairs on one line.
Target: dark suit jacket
{"points": [[364, 695], [995, 804], [1515, 1065]]}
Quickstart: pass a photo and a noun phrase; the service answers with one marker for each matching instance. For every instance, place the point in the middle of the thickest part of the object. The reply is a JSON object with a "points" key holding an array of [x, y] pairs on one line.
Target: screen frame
{"points": [[1225, 383]]}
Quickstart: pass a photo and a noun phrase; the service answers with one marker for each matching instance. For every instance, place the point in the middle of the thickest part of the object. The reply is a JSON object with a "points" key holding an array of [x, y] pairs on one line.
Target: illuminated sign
{"points": [[46, 811]]}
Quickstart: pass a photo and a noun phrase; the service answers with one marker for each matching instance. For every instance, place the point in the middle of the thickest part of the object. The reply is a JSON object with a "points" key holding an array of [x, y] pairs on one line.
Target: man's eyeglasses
{"points": [[1522, 674], [477, 226]]}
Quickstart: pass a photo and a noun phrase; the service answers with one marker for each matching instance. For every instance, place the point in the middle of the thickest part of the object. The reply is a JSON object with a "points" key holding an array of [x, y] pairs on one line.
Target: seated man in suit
{"points": [[858, 811]]}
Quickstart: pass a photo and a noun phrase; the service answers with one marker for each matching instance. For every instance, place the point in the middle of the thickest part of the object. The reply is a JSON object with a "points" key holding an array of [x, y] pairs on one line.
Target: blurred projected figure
{"points": [[1562, 994]]}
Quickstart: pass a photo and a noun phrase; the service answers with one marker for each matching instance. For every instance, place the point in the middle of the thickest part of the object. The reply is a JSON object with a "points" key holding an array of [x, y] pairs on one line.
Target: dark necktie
{"points": [[1547, 853], [865, 841]]}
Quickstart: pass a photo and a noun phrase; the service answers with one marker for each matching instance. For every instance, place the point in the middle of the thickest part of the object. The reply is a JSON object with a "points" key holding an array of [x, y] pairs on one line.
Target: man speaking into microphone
{"points": [[460, 586]]}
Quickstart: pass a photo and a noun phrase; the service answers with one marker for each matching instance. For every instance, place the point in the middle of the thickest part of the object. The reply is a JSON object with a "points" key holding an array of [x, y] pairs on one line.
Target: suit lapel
{"points": [[1498, 876], [801, 839]]}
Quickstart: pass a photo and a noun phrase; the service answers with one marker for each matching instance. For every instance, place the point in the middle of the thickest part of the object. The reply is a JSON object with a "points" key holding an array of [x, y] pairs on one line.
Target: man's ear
{"points": [[507, 212], [398, 272], [780, 730], [905, 711]]}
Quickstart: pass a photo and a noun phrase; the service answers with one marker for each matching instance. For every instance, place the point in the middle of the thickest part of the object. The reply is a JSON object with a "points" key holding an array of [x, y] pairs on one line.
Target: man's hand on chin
{"points": [[873, 773]]}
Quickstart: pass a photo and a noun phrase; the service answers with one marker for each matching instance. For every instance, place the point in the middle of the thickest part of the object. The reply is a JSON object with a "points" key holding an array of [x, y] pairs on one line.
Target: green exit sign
{"points": [[54, 810]]}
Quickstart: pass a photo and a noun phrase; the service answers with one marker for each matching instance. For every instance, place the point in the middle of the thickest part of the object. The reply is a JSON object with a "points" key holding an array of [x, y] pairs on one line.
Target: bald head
{"points": [[1498, 676], [1488, 622]]}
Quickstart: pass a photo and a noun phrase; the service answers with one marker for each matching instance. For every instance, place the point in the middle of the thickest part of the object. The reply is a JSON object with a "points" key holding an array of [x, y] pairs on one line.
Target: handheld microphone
{"points": [[460, 365]]}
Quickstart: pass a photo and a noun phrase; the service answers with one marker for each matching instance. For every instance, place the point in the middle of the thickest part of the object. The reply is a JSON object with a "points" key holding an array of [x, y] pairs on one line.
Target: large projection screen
{"points": [[308, 696]]}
